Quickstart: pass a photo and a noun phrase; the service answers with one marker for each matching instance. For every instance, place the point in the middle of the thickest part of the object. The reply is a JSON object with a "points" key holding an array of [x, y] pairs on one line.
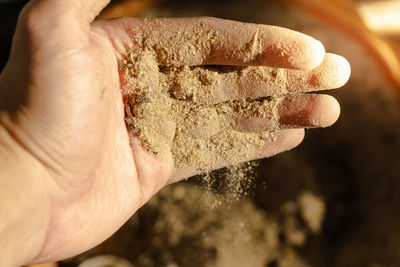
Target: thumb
{"points": [[52, 82], [85, 10], [65, 19], [47, 32]]}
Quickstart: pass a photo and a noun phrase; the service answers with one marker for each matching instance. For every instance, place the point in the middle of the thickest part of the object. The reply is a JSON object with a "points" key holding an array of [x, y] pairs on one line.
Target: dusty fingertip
{"points": [[282, 140], [297, 137], [325, 112], [343, 70], [290, 138], [305, 52], [317, 54]]}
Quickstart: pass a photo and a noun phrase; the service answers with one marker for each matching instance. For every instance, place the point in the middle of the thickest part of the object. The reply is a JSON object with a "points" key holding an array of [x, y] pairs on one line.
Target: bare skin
{"points": [[70, 172]]}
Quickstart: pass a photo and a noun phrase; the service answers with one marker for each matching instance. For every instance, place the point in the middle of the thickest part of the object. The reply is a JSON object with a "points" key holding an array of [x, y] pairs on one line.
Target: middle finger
{"points": [[215, 84]]}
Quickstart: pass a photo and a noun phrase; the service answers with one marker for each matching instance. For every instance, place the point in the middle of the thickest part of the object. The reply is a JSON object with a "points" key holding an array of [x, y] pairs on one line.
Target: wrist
{"points": [[24, 206]]}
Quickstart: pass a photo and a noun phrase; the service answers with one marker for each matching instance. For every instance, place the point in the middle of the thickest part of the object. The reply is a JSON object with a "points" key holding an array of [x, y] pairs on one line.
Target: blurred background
{"points": [[333, 201]]}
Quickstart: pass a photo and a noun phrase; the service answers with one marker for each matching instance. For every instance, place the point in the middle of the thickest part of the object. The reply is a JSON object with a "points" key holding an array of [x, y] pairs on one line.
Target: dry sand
{"points": [[173, 109]]}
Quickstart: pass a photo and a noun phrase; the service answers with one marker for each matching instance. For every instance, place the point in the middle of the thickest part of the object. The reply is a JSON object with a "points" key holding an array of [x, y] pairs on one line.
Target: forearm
{"points": [[24, 208]]}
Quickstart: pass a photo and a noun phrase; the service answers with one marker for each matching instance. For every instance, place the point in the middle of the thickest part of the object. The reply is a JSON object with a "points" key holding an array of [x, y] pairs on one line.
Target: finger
{"points": [[83, 11], [90, 9], [60, 23], [211, 41], [274, 143], [203, 41], [268, 114], [220, 84], [295, 111], [334, 72]]}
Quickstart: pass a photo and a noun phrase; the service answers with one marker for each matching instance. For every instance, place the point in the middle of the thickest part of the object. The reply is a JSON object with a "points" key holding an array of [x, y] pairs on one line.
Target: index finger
{"points": [[212, 41]]}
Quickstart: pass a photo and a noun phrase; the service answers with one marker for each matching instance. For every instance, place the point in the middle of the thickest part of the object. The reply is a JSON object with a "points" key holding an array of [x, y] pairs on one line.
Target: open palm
{"points": [[62, 102]]}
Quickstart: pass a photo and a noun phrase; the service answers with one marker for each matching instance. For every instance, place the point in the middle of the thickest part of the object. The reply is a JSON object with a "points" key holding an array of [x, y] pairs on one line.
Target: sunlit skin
{"points": [[70, 172]]}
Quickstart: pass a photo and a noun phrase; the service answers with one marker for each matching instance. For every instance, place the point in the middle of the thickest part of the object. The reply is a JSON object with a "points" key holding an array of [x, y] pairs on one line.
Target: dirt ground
{"points": [[333, 201]]}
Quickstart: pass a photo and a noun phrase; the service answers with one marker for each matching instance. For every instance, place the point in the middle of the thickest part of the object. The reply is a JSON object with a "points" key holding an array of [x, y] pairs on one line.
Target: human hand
{"points": [[62, 114], [225, 91]]}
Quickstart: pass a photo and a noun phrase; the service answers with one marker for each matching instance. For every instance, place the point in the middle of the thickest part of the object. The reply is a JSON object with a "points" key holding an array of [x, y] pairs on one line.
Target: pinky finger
{"points": [[278, 142]]}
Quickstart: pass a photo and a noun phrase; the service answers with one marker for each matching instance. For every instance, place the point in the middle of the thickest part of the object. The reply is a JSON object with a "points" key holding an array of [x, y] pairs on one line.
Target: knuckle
{"points": [[46, 24], [31, 19]]}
